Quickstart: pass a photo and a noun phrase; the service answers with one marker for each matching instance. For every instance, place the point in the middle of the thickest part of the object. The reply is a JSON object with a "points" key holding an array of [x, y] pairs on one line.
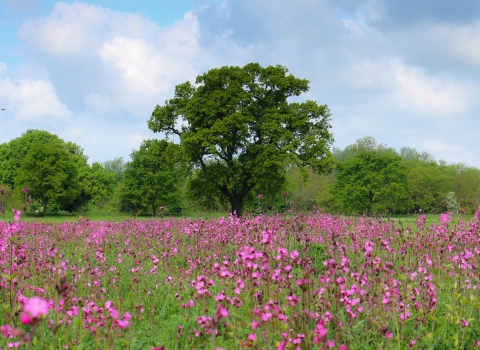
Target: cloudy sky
{"points": [[406, 72]]}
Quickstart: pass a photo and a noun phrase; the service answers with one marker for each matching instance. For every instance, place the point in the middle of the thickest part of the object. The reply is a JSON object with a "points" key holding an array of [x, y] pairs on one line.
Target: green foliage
{"points": [[306, 188], [412, 155], [429, 186], [98, 185], [467, 187], [371, 181], [153, 177], [116, 166], [326, 198], [10, 199], [240, 131], [203, 193], [365, 144], [13, 152], [50, 172]]}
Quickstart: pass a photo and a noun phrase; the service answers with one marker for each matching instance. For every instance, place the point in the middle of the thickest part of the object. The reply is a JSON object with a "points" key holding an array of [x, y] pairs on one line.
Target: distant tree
{"points": [[412, 155], [467, 186], [371, 181], [238, 128], [364, 144], [116, 166], [429, 186], [4, 152], [51, 173], [97, 186], [304, 186], [10, 199], [153, 177], [13, 152], [326, 197]]}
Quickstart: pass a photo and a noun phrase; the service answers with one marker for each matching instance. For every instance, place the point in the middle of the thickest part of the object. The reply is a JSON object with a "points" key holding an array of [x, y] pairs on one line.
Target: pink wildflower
{"points": [[123, 323], [25, 318], [17, 214], [319, 333], [221, 311], [34, 308]]}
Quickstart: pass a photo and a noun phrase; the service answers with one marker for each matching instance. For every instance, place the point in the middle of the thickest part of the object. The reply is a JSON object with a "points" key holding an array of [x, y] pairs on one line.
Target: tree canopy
{"points": [[364, 144], [429, 186], [51, 174], [153, 177], [237, 126], [116, 166], [371, 181], [13, 152]]}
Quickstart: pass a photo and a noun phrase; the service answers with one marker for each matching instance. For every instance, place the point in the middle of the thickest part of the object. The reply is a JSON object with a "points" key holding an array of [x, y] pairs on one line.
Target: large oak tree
{"points": [[237, 125]]}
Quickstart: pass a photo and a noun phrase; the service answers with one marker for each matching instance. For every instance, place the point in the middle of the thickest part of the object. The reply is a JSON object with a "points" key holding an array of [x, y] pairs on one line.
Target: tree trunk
{"points": [[236, 204]]}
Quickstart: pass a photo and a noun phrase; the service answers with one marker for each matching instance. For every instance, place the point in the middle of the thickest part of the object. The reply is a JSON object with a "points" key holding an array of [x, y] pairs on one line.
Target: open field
{"points": [[406, 220], [310, 281], [410, 220], [106, 216]]}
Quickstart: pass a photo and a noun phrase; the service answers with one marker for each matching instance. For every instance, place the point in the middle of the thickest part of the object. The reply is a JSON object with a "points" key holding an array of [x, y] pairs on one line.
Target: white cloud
{"points": [[428, 95], [120, 63], [78, 29], [366, 74], [145, 69], [459, 41], [32, 100]]}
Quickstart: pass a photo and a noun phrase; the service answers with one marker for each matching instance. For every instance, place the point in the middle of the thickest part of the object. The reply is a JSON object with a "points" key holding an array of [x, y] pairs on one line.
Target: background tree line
{"points": [[370, 177], [365, 177]]}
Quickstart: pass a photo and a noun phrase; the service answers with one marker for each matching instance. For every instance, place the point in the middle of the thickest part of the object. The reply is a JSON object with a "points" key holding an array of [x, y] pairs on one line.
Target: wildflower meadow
{"points": [[310, 281]]}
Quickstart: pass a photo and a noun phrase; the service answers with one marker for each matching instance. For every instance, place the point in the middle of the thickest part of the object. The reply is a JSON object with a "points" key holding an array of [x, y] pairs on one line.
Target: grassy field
{"points": [[406, 220], [106, 216], [410, 220]]}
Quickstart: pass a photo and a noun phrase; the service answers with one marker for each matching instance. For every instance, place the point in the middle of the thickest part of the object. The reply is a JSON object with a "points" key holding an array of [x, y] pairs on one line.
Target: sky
{"points": [[406, 72]]}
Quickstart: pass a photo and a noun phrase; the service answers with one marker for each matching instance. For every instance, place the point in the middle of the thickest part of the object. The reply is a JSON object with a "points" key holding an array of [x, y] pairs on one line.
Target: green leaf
{"points": [[9, 277]]}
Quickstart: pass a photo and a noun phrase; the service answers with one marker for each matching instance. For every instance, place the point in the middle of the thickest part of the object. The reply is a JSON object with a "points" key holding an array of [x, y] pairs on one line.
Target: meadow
{"points": [[306, 281]]}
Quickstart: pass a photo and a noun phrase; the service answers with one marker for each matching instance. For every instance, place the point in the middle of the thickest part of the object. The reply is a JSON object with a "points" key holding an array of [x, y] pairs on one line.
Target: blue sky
{"points": [[406, 72]]}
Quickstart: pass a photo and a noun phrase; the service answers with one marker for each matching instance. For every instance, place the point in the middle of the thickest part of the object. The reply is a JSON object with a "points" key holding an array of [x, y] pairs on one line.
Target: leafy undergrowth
{"points": [[311, 281]]}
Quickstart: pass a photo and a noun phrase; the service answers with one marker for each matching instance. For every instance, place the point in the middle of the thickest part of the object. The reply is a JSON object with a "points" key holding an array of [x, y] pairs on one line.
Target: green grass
{"points": [[409, 220], [405, 220], [105, 216]]}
